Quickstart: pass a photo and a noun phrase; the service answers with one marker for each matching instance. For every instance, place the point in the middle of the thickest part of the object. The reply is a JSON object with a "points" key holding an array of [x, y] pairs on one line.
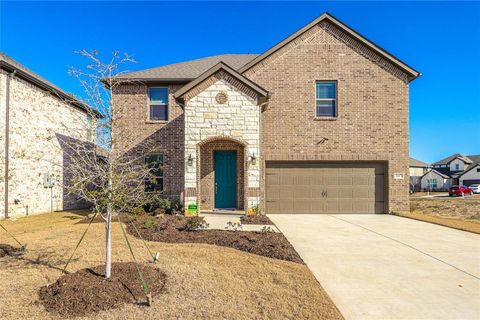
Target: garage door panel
{"points": [[272, 179], [302, 180], [273, 193], [301, 192], [285, 192], [317, 179], [345, 193], [331, 179], [302, 206], [331, 206], [364, 207], [345, 180], [308, 187]]}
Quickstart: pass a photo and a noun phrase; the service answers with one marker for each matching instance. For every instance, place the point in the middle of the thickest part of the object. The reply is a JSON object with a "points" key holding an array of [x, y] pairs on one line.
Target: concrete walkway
{"points": [[388, 267], [220, 221]]}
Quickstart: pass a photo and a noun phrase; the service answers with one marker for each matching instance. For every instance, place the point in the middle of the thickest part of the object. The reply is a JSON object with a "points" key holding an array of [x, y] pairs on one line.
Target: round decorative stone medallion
{"points": [[221, 98]]}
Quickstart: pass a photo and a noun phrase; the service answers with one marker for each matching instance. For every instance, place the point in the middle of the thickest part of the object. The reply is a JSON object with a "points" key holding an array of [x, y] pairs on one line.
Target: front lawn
{"points": [[202, 281], [458, 213]]}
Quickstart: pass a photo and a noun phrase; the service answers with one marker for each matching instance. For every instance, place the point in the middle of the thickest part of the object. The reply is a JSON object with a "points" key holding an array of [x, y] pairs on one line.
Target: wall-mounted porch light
{"points": [[253, 159], [190, 160]]}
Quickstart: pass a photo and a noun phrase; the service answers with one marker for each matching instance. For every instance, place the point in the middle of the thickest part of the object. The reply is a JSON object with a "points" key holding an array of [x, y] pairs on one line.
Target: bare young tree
{"points": [[106, 172]]}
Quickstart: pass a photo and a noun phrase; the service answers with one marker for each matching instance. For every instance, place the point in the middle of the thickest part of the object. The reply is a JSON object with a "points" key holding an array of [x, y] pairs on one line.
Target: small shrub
{"points": [[183, 223], [157, 202], [234, 226], [135, 213], [177, 206], [266, 229], [150, 222], [159, 212]]}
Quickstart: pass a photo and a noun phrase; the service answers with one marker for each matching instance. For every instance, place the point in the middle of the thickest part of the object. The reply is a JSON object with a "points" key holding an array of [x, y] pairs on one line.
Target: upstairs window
{"points": [[155, 180], [457, 166], [326, 99], [158, 104]]}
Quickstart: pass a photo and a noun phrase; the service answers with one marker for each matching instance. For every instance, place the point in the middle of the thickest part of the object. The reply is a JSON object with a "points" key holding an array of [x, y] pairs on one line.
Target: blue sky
{"points": [[440, 39]]}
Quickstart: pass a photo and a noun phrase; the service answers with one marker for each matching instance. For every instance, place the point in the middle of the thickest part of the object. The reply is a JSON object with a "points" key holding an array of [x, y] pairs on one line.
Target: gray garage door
{"points": [[470, 182], [300, 187]]}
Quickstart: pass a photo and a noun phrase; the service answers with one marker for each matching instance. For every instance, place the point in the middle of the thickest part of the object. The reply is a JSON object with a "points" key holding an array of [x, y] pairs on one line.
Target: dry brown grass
{"points": [[204, 281], [458, 213]]}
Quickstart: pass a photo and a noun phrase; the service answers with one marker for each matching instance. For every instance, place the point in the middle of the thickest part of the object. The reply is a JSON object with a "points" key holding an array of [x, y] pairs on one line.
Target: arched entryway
{"points": [[221, 175]]}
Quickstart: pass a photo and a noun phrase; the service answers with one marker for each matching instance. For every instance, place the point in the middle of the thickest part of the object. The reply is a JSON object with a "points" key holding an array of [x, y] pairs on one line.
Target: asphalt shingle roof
{"points": [[453, 156], [189, 70], [417, 163], [11, 65]]}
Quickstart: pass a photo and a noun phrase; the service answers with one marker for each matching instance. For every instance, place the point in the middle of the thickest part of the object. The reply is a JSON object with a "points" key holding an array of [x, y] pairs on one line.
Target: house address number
{"points": [[398, 176]]}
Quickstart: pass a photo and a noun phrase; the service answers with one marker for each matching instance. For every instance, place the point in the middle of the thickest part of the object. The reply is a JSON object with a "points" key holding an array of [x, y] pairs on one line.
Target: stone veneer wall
{"points": [[238, 118], [37, 120]]}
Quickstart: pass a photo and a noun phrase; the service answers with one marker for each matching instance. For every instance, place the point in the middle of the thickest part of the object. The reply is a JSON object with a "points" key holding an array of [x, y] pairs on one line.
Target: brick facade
{"points": [[133, 129], [372, 122]]}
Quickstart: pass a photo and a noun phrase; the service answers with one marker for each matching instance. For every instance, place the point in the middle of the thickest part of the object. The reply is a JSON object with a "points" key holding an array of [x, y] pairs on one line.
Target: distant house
{"points": [[35, 119], [417, 169], [435, 181], [453, 170]]}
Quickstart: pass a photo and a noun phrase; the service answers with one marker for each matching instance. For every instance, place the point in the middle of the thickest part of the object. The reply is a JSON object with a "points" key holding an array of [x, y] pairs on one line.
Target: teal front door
{"points": [[225, 179]]}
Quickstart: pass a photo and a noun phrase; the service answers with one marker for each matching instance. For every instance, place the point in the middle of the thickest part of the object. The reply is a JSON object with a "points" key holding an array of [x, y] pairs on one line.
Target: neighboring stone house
{"points": [[316, 124], [457, 169], [416, 171], [35, 117]]}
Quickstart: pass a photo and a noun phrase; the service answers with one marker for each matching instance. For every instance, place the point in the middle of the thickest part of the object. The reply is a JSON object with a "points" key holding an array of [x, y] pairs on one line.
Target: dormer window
{"points": [[457, 167]]}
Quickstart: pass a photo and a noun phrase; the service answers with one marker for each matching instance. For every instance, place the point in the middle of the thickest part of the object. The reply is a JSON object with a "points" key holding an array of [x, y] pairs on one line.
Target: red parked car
{"points": [[459, 191]]}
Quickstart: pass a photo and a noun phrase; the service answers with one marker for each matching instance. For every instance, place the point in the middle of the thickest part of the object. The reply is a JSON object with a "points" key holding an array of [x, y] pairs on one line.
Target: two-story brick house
{"points": [[316, 124]]}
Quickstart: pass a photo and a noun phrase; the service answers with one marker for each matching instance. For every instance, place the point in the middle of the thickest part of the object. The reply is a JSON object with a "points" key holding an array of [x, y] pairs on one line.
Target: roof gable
{"points": [[471, 167], [444, 176], [213, 70], [449, 159], [412, 73]]}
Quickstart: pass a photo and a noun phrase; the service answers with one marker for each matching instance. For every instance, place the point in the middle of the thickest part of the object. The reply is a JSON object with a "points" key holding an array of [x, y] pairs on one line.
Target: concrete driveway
{"points": [[388, 267]]}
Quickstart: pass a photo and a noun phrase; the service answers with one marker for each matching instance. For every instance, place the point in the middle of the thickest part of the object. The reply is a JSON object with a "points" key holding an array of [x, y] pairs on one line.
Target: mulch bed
{"points": [[87, 291], [268, 244], [256, 219], [8, 250]]}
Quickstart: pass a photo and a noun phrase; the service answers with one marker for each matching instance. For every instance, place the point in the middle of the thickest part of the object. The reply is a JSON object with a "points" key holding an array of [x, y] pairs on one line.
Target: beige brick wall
{"points": [[37, 119], [372, 121]]}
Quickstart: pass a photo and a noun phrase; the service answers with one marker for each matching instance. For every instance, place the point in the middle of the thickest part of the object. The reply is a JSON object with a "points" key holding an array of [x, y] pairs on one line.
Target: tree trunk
{"points": [[108, 243]]}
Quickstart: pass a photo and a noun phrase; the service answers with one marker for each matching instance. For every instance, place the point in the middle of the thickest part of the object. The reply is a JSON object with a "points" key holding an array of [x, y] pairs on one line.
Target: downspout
{"points": [[7, 137]]}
